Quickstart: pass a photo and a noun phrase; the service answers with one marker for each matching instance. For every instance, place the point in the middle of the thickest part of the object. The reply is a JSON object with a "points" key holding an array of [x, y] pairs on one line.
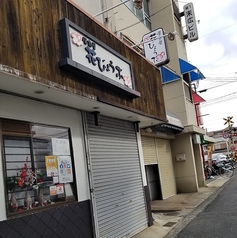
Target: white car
{"points": [[216, 158]]}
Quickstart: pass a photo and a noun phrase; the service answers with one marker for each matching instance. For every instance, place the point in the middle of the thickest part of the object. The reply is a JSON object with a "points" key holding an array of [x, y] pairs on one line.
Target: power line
{"points": [[210, 123], [218, 120], [232, 73], [220, 99], [214, 66], [142, 19], [208, 88], [165, 8], [218, 30], [221, 79]]}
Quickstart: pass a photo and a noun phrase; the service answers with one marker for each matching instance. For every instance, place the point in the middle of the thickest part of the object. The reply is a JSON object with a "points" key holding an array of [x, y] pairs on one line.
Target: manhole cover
{"points": [[169, 224]]}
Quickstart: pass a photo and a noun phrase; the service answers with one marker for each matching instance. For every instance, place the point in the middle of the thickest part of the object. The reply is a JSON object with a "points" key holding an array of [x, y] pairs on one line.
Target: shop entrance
{"points": [[153, 181]]}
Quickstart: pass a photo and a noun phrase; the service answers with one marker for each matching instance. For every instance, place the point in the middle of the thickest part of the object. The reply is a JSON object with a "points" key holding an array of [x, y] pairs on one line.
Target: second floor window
{"points": [[143, 14]]}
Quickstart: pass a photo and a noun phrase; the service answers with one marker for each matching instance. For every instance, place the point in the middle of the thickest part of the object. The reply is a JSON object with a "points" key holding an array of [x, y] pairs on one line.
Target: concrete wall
{"points": [[118, 20], [175, 100], [185, 171], [199, 165]]}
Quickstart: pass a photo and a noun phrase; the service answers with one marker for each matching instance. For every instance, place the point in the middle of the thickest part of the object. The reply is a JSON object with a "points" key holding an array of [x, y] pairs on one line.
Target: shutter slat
{"points": [[166, 168], [116, 175]]}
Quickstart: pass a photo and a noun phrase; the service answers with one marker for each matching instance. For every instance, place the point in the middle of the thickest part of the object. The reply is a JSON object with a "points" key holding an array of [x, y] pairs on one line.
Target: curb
{"points": [[189, 217]]}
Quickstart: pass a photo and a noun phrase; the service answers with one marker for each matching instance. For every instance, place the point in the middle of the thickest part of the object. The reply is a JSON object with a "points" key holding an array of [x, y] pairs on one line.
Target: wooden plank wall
{"points": [[30, 41]]}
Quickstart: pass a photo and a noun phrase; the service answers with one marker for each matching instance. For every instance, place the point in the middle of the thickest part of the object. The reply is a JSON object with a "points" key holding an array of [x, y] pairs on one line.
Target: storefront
{"points": [[70, 118], [158, 161], [116, 178], [43, 157], [41, 170], [158, 158]]}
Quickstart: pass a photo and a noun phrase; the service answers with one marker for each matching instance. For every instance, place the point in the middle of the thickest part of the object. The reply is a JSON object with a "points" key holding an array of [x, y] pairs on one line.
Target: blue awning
{"points": [[168, 75], [195, 73]]}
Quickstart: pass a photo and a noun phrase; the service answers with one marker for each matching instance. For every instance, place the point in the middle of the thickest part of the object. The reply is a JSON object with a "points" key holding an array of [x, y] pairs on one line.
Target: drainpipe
{"points": [[101, 6]]}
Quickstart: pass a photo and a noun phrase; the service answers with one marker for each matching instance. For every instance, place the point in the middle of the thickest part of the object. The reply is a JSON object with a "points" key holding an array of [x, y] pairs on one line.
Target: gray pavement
{"points": [[172, 214]]}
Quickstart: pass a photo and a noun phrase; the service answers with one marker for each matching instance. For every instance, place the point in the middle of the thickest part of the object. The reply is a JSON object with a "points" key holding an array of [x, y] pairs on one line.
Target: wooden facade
{"points": [[31, 42]]}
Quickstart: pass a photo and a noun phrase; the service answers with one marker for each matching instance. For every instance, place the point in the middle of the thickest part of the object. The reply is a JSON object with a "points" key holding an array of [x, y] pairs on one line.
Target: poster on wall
{"points": [[209, 150], [65, 169], [51, 165], [53, 190], [60, 189], [60, 146]]}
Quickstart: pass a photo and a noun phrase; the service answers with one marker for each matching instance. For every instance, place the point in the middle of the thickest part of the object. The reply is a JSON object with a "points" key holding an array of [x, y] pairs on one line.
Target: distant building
{"points": [[226, 140]]}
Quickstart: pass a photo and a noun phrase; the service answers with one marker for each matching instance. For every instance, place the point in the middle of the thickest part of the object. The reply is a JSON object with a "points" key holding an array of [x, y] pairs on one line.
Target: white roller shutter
{"points": [[166, 169], [116, 180], [149, 150]]}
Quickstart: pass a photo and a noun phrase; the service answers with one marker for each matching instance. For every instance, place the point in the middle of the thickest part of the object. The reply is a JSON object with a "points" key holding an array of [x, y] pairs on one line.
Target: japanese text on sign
{"points": [[190, 22], [90, 54], [155, 47]]}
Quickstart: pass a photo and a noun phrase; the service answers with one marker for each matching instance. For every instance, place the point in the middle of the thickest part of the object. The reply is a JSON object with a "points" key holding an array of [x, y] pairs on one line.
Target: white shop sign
{"points": [[155, 47], [190, 20], [93, 59]]}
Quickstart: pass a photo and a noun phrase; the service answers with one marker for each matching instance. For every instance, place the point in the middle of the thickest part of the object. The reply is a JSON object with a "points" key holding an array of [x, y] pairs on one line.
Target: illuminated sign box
{"points": [[87, 56]]}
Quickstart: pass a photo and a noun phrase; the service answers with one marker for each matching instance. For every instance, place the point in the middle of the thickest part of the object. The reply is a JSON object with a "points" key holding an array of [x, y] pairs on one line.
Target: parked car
{"points": [[217, 158]]}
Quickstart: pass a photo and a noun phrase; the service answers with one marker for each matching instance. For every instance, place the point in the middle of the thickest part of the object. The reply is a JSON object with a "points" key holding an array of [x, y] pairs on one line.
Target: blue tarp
{"points": [[167, 75]]}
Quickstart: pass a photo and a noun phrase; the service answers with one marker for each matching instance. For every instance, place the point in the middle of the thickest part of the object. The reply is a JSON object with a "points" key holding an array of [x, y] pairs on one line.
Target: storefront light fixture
{"points": [[136, 3]]}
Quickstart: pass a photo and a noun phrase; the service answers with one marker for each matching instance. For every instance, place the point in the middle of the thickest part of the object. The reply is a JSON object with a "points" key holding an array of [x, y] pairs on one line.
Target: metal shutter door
{"points": [[166, 169], [116, 177], [149, 150]]}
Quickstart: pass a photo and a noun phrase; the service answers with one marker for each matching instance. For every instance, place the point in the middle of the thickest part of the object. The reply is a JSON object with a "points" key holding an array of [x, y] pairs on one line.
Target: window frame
{"points": [[187, 87], [143, 14], [56, 200]]}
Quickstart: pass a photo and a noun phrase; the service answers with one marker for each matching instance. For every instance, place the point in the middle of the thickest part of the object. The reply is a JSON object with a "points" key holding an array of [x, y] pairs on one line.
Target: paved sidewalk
{"points": [[170, 213]]}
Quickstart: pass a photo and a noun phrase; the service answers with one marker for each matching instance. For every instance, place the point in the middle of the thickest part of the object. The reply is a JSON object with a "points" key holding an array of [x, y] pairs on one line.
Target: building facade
{"points": [[73, 101], [178, 76]]}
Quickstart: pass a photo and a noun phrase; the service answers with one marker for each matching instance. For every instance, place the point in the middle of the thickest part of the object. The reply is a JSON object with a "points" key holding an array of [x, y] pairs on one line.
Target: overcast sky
{"points": [[215, 54]]}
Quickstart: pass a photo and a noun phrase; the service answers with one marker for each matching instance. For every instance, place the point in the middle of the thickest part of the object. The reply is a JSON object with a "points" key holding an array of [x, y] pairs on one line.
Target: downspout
{"points": [[101, 7]]}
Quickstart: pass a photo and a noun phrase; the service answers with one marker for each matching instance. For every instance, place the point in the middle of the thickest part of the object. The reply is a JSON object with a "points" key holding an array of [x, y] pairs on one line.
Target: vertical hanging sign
{"points": [[155, 47], [190, 20]]}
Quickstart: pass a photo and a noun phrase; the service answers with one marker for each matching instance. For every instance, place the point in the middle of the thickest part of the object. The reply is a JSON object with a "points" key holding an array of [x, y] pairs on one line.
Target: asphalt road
{"points": [[218, 219]]}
